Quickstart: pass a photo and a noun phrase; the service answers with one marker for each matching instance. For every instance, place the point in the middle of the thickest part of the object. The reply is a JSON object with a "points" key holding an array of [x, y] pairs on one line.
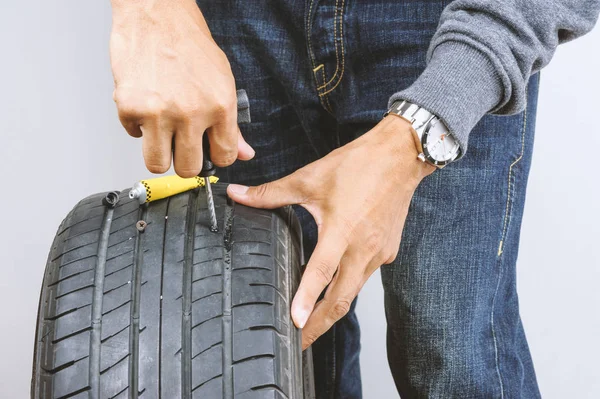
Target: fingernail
{"points": [[301, 316], [238, 189], [249, 149]]}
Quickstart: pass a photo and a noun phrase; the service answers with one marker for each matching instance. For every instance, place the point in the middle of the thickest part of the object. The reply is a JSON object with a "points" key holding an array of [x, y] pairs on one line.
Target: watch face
{"points": [[438, 144]]}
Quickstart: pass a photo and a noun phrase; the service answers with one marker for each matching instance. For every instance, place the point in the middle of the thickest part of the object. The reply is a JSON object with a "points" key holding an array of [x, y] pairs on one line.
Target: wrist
{"points": [[399, 143]]}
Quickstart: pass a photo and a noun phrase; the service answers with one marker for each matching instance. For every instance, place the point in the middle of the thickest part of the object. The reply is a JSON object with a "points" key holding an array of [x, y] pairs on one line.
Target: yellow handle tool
{"points": [[166, 186]]}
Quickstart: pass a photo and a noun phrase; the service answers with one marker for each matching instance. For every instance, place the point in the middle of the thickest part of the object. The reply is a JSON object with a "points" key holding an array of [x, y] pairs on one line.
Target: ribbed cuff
{"points": [[460, 85]]}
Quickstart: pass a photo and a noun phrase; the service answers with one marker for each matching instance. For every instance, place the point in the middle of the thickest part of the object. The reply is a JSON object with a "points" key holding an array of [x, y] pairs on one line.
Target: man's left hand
{"points": [[359, 196]]}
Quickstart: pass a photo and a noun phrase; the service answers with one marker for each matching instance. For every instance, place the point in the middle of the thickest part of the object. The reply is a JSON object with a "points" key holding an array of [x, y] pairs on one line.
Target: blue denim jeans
{"points": [[319, 74]]}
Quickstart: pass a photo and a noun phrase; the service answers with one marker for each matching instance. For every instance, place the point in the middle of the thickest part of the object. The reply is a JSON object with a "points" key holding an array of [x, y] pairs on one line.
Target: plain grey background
{"points": [[61, 141]]}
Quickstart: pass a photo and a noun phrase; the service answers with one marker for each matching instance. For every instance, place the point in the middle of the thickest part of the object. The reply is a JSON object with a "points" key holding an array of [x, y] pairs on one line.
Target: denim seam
{"points": [[511, 184], [308, 34], [339, 79], [508, 212], [335, 42], [325, 99]]}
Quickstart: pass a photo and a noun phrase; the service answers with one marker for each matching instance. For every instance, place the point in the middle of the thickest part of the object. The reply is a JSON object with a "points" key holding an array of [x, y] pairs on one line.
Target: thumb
{"points": [[275, 194]]}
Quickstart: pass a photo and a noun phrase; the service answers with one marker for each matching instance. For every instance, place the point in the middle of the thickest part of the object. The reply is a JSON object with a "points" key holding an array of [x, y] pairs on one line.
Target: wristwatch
{"points": [[435, 143]]}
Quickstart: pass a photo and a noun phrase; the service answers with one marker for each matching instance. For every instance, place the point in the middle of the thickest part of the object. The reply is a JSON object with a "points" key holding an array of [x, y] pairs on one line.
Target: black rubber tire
{"points": [[175, 311]]}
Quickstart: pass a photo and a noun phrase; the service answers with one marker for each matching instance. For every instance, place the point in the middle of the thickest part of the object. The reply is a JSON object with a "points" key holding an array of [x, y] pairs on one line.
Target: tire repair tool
{"points": [[208, 170], [162, 187]]}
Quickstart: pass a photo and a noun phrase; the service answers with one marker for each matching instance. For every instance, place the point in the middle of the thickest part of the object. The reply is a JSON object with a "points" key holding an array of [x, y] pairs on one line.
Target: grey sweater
{"points": [[484, 51]]}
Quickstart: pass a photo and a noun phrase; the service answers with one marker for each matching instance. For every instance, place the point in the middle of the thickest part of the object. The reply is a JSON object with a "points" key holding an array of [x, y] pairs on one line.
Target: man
{"points": [[320, 74]]}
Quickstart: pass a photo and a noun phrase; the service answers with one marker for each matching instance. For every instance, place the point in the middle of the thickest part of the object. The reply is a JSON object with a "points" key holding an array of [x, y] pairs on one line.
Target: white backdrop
{"points": [[60, 141]]}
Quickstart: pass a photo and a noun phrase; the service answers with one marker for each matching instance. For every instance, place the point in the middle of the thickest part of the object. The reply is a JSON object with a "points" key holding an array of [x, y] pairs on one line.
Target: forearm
{"points": [[484, 51]]}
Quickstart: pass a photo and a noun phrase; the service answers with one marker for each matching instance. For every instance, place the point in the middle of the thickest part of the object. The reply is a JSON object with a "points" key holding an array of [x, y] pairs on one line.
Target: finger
{"points": [[337, 301], [187, 155], [318, 274], [223, 138], [132, 127], [132, 109], [278, 193], [156, 146], [128, 116], [245, 152]]}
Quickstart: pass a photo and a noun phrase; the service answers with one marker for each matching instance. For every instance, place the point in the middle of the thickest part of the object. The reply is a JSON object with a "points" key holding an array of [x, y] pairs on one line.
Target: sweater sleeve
{"points": [[484, 51]]}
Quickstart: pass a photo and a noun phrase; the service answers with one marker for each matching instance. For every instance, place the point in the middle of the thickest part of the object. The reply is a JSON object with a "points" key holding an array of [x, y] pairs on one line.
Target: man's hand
{"points": [[172, 82], [359, 196]]}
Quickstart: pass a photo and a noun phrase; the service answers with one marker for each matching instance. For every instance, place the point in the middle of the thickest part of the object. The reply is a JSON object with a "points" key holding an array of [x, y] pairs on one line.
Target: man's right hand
{"points": [[173, 83]]}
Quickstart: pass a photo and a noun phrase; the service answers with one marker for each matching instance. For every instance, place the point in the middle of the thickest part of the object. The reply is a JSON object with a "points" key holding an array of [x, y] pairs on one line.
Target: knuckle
{"points": [[323, 272], [153, 106], [373, 242], [340, 308], [389, 257], [263, 190], [310, 337], [223, 107], [224, 159], [348, 227], [126, 110], [136, 104]]}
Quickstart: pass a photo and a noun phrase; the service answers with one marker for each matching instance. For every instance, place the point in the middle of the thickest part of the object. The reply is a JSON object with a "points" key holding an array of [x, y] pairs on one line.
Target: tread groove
{"points": [[68, 277], [75, 290], [205, 277], [115, 334], [254, 357], [72, 249], [96, 327], [113, 365], [117, 307], [66, 312], [126, 214], [186, 302], [206, 382], [259, 254], [74, 393], [269, 387], [63, 366], [239, 305], [76, 260], [118, 393], [117, 287], [206, 296], [206, 261], [75, 224], [253, 242], [207, 349], [120, 269], [74, 333], [204, 321], [227, 347], [162, 278], [134, 322], [121, 242], [254, 268], [119, 255], [269, 285]]}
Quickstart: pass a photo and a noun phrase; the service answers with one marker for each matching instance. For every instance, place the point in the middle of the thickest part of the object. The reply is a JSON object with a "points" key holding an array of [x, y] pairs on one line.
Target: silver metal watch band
{"points": [[414, 114], [421, 120]]}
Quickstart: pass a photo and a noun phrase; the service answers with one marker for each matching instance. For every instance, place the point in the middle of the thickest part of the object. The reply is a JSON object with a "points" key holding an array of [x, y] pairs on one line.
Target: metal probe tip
{"points": [[211, 206]]}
